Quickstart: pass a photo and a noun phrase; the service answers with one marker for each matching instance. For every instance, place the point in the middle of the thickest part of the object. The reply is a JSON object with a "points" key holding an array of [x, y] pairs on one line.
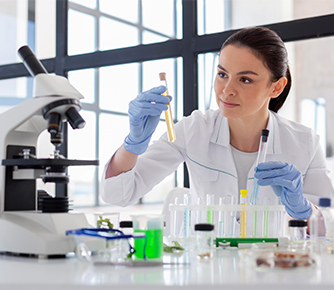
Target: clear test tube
{"points": [[199, 212], [176, 218], [277, 220], [261, 156], [209, 212], [186, 216], [168, 112], [265, 221], [222, 200], [234, 201]]}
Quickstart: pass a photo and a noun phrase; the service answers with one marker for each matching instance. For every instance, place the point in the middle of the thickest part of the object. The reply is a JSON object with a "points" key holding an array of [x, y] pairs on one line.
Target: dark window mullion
{"points": [[61, 53]]}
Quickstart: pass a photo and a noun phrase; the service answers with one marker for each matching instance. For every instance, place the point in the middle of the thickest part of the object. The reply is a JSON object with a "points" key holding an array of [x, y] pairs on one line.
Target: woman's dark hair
{"points": [[270, 48]]}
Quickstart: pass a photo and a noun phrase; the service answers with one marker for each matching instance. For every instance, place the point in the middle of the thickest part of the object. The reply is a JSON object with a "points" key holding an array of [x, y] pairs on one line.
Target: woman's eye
{"points": [[221, 74], [245, 80]]}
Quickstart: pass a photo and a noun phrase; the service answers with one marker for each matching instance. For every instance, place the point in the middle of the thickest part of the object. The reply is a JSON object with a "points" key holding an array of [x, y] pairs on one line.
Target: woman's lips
{"points": [[229, 104]]}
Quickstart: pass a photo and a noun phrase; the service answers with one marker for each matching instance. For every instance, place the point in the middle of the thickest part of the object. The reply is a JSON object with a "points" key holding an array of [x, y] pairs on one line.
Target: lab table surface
{"points": [[223, 271]]}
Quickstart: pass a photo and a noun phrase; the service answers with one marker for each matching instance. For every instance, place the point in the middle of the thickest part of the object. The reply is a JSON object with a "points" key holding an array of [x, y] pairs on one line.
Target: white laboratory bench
{"points": [[223, 271]]}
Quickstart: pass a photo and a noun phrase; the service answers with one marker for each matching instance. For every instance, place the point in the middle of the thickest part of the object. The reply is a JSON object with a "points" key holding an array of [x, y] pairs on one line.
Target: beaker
{"points": [[152, 226], [106, 220]]}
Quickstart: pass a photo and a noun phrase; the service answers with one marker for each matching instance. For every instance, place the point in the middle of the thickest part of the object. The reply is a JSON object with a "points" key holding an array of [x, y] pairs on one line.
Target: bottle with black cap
{"points": [[298, 233], [126, 227], [322, 227], [204, 240]]}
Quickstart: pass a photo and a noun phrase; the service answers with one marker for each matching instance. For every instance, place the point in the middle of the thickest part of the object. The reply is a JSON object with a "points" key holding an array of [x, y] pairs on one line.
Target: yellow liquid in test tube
{"points": [[243, 218], [168, 112]]}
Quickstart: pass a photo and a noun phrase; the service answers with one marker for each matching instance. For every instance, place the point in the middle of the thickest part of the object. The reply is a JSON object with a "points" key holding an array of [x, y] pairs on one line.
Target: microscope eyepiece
{"points": [[74, 118], [31, 62]]}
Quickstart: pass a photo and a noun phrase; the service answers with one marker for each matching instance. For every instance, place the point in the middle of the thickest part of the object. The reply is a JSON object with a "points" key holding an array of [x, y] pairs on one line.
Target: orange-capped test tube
{"points": [[168, 112]]}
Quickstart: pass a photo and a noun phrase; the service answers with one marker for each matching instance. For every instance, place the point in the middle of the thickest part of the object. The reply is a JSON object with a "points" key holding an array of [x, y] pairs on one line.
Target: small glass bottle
{"points": [[126, 227], [298, 233], [322, 227], [204, 240]]}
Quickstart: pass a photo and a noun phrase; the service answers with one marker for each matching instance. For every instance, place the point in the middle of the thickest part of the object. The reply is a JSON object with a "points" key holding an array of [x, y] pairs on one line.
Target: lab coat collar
{"points": [[221, 133]]}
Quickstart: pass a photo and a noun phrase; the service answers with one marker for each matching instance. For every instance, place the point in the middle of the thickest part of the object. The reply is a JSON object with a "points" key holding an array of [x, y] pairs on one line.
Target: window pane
{"points": [[211, 16], [81, 32], [127, 10], [159, 16], [259, 12], [81, 145], [13, 29], [14, 88], [321, 123], [113, 130], [308, 113], [87, 3], [84, 82], [112, 34], [207, 70], [17, 29], [45, 29], [118, 86]]}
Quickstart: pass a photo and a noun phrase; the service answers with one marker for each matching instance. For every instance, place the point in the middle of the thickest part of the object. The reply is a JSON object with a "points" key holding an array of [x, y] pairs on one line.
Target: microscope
{"points": [[33, 223]]}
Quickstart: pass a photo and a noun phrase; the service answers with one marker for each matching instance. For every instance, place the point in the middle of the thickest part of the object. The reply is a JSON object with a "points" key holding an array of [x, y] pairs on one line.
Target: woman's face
{"points": [[242, 85]]}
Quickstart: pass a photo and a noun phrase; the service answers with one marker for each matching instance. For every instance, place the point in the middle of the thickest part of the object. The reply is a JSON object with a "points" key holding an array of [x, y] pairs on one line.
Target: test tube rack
{"points": [[231, 221]]}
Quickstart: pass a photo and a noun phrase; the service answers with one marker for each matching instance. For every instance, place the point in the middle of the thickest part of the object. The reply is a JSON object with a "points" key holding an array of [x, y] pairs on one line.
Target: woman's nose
{"points": [[229, 89]]}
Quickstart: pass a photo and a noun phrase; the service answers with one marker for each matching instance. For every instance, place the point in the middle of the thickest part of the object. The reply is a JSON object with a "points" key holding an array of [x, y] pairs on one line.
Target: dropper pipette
{"points": [[261, 156]]}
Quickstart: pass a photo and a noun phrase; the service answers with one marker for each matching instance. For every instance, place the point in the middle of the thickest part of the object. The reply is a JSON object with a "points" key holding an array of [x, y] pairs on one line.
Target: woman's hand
{"points": [[285, 180], [144, 115]]}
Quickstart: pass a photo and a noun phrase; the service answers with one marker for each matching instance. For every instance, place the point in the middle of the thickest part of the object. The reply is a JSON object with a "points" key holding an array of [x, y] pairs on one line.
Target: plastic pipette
{"points": [[261, 156], [168, 112]]}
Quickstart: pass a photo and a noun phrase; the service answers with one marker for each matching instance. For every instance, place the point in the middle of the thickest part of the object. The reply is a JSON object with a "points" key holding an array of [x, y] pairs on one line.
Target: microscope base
{"points": [[34, 233]]}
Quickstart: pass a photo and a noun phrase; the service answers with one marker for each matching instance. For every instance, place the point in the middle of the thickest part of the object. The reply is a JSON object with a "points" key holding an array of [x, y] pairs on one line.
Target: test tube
{"points": [[176, 218], [168, 112], [243, 218], [199, 212], [233, 216], [261, 156], [221, 218], [186, 216], [277, 220], [266, 203], [209, 213]]}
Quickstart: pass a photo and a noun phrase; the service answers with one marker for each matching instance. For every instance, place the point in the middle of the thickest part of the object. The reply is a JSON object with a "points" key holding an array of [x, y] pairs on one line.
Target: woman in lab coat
{"points": [[220, 147]]}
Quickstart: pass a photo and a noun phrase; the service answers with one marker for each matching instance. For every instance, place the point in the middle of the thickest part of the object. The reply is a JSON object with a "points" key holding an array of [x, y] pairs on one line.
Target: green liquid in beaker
{"points": [[154, 246]]}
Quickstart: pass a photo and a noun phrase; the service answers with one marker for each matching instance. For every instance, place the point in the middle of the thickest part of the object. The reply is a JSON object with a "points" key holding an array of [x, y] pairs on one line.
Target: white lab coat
{"points": [[203, 142]]}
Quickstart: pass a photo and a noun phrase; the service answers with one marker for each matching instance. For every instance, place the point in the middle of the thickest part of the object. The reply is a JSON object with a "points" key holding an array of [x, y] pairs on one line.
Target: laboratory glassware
{"points": [[243, 216], [204, 240], [152, 226], [261, 156], [168, 112]]}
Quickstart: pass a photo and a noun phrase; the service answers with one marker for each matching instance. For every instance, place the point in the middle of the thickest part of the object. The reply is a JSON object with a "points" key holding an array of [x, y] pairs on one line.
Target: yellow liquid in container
{"points": [[168, 112], [243, 217]]}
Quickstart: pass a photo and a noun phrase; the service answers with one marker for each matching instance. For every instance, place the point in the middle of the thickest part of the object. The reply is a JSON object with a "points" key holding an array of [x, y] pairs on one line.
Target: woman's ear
{"points": [[278, 87]]}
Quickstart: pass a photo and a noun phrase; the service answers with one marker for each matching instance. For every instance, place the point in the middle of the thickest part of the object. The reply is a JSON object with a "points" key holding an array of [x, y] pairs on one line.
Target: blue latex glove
{"points": [[144, 115], [286, 181]]}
